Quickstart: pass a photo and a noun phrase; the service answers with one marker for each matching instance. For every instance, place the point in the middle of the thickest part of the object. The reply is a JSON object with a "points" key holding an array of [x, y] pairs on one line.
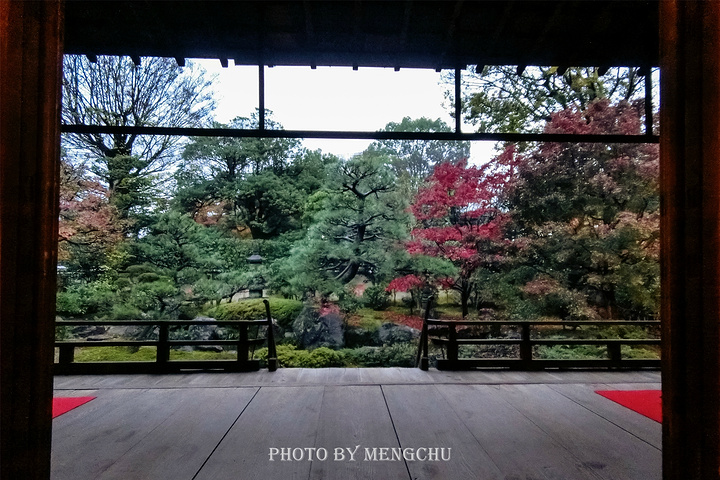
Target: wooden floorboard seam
{"points": [[604, 417], [478, 440], [226, 433], [131, 447], [397, 437], [550, 435], [180, 387]]}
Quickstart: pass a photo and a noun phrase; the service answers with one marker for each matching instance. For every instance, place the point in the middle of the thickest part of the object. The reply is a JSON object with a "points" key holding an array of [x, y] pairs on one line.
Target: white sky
{"points": [[335, 98]]}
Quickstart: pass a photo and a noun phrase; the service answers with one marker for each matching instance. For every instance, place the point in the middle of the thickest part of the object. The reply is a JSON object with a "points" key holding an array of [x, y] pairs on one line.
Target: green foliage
{"points": [[497, 99], [281, 309], [415, 159], [397, 355], [70, 303], [89, 298], [259, 185], [640, 353], [563, 352], [357, 231], [201, 355], [376, 297], [289, 357], [143, 354], [115, 354], [125, 312]]}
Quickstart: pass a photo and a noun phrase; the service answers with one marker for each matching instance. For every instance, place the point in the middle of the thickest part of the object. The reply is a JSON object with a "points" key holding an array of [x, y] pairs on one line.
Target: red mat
{"points": [[645, 402], [65, 404]]}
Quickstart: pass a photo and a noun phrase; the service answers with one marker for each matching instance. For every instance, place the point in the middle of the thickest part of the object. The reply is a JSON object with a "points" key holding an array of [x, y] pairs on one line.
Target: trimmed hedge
{"points": [[282, 309], [399, 355], [289, 357]]}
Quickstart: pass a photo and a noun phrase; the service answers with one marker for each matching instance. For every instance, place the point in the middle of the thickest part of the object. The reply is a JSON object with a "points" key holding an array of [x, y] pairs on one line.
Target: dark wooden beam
{"points": [[450, 32], [690, 238], [310, 43], [30, 73], [353, 135]]}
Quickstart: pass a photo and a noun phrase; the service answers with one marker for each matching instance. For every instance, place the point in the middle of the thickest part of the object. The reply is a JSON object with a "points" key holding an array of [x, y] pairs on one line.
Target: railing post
{"points": [[452, 348], [162, 355], [242, 348], [272, 353], [67, 354], [422, 356], [526, 353], [615, 353], [421, 360]]}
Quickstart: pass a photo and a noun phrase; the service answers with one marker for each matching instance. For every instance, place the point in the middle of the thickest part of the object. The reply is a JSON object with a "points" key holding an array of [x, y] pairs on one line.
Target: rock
{"points": [[313, 331], [98, 338], [88, 331], [209, 348], [390, 333], [361, 337]]}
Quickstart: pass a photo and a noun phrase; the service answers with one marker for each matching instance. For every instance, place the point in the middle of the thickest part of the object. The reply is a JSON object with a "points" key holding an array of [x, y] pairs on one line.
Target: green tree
{"points": [[415, 159], [180, 247], [248, 183], [231, 158], [359, 226], [497, 99]]}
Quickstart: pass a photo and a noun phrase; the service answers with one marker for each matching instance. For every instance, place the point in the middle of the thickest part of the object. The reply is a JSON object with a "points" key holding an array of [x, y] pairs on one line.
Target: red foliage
{"points": [[86, 216], [404, 284], [458, 216], [327, 308], [411, 321]]}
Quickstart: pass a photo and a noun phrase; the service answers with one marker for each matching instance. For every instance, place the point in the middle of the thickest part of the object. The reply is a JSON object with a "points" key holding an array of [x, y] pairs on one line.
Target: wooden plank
{"points": [[311, 376], [352, 376], [598, 445], [517, 446], [277, 417], [423, 419], [638, 425], [355, 418], [88, 441], [180, 445]]}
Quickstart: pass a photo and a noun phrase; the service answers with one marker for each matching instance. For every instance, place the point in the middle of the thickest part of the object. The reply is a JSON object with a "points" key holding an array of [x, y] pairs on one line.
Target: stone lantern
{"points": [[255, 289]]}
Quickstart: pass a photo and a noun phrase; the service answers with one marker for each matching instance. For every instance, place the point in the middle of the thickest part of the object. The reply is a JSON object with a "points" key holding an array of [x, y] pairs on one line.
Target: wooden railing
{"points": [[445, 334], [163, 364]]}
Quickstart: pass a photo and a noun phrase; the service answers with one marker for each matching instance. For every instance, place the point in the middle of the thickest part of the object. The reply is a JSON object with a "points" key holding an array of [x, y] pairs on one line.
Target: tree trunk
{"points": [[465, 292]]}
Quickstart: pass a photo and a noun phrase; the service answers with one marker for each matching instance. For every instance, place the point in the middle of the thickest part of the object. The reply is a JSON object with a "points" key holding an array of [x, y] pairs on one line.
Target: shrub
{"points": [[125, 312], [348, 302], [288, 356], [398, 355], [282, 309], [376, 297], [86, 298], [70, 303], [563, 352]]}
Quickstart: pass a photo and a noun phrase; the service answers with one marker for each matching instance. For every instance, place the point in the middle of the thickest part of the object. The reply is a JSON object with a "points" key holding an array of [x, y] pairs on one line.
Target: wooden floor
{"points": [[491, 425]]}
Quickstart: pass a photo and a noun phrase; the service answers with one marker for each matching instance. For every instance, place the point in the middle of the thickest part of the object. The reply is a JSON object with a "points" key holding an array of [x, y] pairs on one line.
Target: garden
{"points": [[347, 250]]}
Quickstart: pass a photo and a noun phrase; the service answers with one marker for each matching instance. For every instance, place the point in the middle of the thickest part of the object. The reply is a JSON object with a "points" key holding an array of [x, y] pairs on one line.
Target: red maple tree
{"points": [[459, 219], [87, 220]]}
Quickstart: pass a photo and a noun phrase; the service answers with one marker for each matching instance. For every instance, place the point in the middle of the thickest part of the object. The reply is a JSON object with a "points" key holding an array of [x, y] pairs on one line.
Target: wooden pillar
{"points": [[690, 237], [30, 72]]}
